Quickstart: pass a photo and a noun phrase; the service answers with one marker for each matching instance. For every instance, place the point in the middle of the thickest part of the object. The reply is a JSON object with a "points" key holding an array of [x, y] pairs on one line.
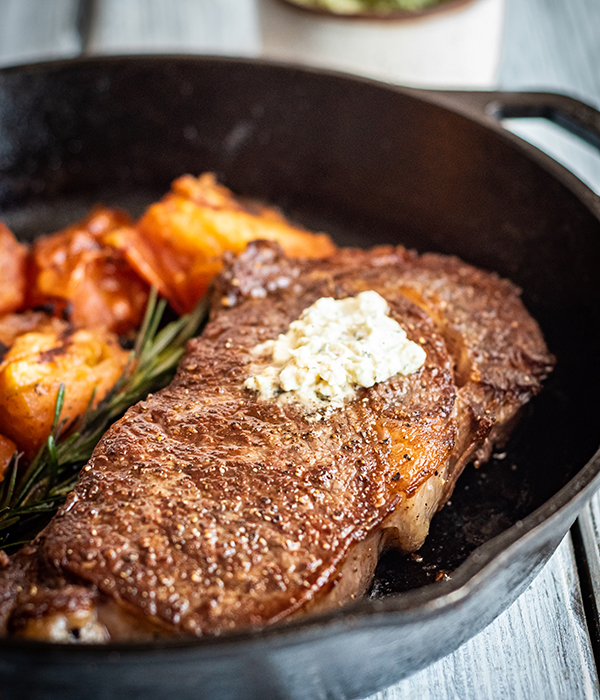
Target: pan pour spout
{"points": [[207, 508]]}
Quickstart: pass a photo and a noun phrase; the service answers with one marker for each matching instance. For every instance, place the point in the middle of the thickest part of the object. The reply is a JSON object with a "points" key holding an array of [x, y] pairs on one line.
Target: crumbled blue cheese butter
{"points": [[335, 347]]}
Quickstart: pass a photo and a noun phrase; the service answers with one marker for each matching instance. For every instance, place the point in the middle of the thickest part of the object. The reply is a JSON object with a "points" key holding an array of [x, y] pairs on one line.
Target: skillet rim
{"points": [[481, 565]]}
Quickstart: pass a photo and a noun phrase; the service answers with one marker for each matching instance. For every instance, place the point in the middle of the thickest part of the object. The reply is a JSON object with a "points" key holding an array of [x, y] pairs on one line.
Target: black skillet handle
{"points": [[574, 116]]}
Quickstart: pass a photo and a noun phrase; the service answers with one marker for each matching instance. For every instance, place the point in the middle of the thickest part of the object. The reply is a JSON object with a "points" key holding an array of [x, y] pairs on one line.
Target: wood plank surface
{"points": [[554, 45], [179, 26], [589, 526], [32, 30], [538, 648]]}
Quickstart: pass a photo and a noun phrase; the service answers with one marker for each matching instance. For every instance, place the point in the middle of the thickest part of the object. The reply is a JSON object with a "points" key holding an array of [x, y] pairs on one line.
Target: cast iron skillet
{"points": [[369, 163]]}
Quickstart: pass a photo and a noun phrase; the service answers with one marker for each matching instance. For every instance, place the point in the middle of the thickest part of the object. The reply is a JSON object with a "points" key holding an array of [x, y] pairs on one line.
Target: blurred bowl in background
{"points": [[381, 9], [458, 47]]}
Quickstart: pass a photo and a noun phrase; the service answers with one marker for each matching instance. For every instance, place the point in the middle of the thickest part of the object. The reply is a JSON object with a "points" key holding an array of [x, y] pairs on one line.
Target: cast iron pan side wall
{"points": [[388, 165], [370, 164], [381, 164]]}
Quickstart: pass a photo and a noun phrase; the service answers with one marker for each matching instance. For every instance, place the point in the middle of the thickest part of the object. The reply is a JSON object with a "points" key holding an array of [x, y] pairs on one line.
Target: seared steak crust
{"points": [[206, 509]]}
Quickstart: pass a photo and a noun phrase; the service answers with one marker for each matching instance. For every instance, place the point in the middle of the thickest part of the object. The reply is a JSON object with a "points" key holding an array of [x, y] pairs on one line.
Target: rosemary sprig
{"points": [[29, 497]]}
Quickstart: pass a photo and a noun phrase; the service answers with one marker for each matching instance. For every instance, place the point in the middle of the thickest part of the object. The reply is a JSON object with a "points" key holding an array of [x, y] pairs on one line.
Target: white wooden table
{"points": [[543, 646]]}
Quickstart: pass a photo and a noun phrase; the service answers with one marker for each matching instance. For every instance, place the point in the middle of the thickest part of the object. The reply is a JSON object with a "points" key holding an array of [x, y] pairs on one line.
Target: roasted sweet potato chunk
{"points": [[33, 370], [12, 271], [75, 272], [14, 325], [178, 244], [7, 450]]}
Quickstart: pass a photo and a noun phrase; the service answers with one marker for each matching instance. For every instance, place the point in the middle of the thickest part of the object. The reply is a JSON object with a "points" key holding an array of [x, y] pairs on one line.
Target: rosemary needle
{"points": [[29, 497]]}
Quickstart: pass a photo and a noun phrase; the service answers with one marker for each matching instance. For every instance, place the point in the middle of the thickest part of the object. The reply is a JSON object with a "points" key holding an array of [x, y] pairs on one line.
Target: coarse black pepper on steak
{"points": [[206, 508]]}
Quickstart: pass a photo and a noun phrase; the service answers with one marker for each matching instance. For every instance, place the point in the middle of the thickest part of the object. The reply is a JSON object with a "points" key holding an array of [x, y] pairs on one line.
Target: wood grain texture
{"points": [[589, 524], [538, 648], [178, 26], [32, 30], [554, 45]]}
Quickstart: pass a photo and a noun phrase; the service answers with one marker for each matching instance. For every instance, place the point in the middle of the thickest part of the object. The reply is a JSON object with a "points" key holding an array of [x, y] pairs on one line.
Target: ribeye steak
{"points": [[206, 508]]}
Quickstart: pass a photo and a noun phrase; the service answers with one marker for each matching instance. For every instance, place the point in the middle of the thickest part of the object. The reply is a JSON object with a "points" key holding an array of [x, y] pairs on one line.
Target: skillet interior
{"points": [[369, 164]]}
